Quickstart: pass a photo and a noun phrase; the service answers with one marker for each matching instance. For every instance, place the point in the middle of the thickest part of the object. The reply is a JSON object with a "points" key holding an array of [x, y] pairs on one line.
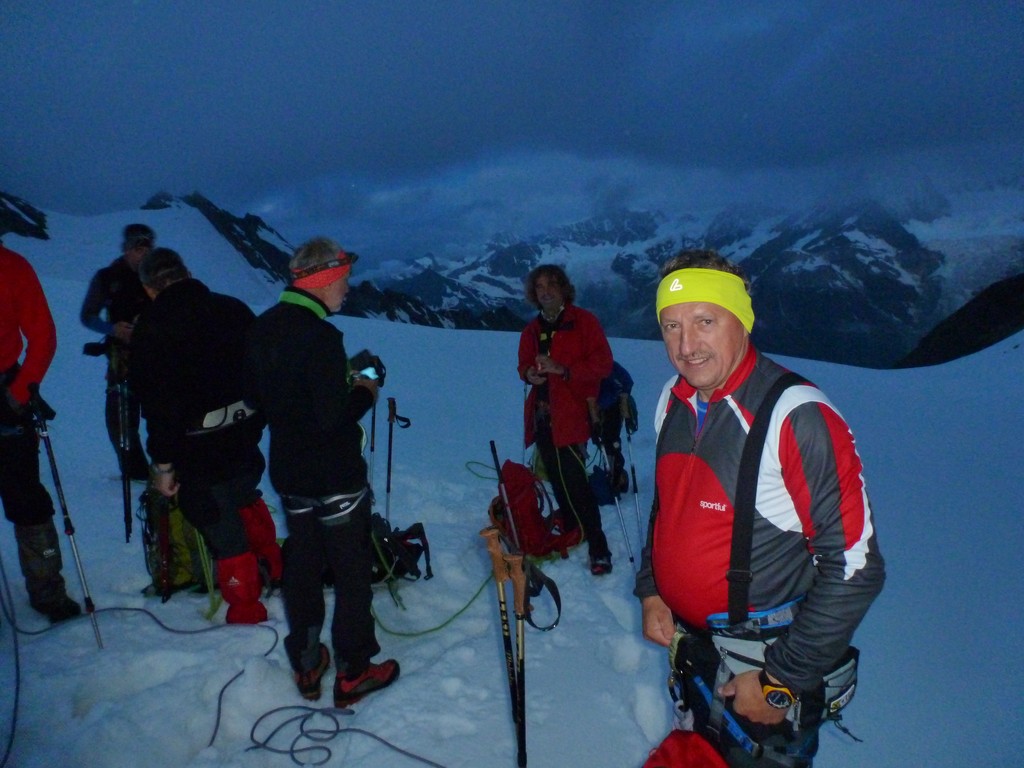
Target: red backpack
{"points": [[537, 534], [684, 749]]}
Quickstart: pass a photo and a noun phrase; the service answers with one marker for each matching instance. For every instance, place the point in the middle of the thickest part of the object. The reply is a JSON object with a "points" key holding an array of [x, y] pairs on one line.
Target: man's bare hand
{"points": [[658, 625]]}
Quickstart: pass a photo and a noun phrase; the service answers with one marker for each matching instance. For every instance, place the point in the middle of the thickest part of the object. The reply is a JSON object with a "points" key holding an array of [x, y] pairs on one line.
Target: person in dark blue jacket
{"points": [[112, 304], [607, 419]]}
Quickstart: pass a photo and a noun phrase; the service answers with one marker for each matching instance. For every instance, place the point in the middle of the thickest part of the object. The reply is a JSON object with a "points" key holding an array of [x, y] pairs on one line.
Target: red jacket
{"points": [[581, 346], [24, 312]]}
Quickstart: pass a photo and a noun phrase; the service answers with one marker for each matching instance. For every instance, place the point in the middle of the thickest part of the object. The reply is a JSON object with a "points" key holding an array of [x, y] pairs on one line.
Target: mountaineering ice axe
{"points": [[41, 413], [404, 423]]}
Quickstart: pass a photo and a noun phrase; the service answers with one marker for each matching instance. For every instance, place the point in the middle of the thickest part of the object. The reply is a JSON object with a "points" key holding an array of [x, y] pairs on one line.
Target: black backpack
{"points": [[397, 552]]}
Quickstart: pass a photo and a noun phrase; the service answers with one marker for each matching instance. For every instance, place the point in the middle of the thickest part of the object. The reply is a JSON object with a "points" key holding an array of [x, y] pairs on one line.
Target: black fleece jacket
{"points": [[186, 362], [296, 372]]}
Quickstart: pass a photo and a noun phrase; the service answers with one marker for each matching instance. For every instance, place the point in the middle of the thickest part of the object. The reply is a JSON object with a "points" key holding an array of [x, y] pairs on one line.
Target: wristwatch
{"points": [[775, 694]]}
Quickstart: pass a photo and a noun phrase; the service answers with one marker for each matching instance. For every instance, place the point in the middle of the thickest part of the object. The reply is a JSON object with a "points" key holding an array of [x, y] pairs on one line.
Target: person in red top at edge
{"points": [[24, 313], [564, 355], [755, 688]]}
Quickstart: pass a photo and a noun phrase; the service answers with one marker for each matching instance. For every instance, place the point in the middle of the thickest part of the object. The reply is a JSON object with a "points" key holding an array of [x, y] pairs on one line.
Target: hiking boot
{"points": [[599, 566], [308, 682], [62, 610], [349, 690]]}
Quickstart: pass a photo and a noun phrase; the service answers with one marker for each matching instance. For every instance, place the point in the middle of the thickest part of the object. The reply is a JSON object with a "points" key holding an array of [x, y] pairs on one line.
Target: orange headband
{"points": [[321, 275]]}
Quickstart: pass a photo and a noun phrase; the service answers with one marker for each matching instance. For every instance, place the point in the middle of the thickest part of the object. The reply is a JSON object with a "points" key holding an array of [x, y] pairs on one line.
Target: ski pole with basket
{"points": [[609, 476], [629, 420], [41, 413]]}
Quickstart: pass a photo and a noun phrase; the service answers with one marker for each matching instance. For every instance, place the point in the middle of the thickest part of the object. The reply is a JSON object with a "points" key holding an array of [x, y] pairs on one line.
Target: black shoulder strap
{"points": [[739, 575], [536, 582]]}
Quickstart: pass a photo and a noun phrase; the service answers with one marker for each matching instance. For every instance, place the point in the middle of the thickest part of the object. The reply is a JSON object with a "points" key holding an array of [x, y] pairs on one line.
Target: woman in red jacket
{"points": [[564, 354]]}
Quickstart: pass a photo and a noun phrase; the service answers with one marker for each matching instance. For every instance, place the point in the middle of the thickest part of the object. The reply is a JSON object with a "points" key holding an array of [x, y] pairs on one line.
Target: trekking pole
{"points": [[500, 567], [403, 423], [503, 492], [629, 420], [125, 444], [373, 438], [391, 431], [615, 498], [518, 576], [41, 413]]}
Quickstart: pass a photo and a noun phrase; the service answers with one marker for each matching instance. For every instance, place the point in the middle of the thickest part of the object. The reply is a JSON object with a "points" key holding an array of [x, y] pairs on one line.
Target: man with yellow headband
{"points": [[815, 567], [297, 372]]}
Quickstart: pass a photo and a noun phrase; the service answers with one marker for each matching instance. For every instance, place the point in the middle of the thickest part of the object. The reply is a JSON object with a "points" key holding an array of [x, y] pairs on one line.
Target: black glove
{"points": [[367, 364], [96, 348], [39, 407]]}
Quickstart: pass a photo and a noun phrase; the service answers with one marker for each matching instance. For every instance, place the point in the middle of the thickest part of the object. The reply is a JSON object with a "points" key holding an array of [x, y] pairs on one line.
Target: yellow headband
{"points": [[711, 285]]}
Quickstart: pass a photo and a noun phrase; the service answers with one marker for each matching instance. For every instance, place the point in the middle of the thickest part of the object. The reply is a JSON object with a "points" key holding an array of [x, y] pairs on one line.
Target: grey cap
{"points": [[161, 267]]}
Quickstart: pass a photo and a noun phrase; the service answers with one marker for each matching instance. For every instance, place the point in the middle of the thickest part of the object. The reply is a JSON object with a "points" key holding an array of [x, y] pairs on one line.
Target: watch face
{"points": [[778, 698]]}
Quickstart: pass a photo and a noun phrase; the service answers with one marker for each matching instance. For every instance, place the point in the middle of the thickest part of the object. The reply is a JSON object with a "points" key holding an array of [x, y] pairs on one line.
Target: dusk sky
{"points": [[402, 127]]}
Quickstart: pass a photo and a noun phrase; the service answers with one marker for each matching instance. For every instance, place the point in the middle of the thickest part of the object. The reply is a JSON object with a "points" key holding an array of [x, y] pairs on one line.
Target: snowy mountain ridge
{"points": [[854, 282], [186, 693], [825, 279]]}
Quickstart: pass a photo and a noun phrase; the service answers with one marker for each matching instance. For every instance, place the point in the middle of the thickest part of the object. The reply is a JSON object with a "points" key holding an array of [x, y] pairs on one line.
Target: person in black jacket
{"points": [[111, 306], [186, 367], [298, 374]]}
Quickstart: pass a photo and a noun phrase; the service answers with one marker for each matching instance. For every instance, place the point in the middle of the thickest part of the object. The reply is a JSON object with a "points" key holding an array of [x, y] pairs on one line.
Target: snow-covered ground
{"points": [[940, 668]]}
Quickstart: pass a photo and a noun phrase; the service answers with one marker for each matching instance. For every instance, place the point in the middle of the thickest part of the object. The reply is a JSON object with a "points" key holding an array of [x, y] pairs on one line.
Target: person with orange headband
{"points": [[186, 368], [755, 688], [298, 374]]}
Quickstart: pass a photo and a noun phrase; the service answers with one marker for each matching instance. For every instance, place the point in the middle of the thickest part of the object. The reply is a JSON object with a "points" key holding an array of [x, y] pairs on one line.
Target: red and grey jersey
{"points": [[813, 536]]}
